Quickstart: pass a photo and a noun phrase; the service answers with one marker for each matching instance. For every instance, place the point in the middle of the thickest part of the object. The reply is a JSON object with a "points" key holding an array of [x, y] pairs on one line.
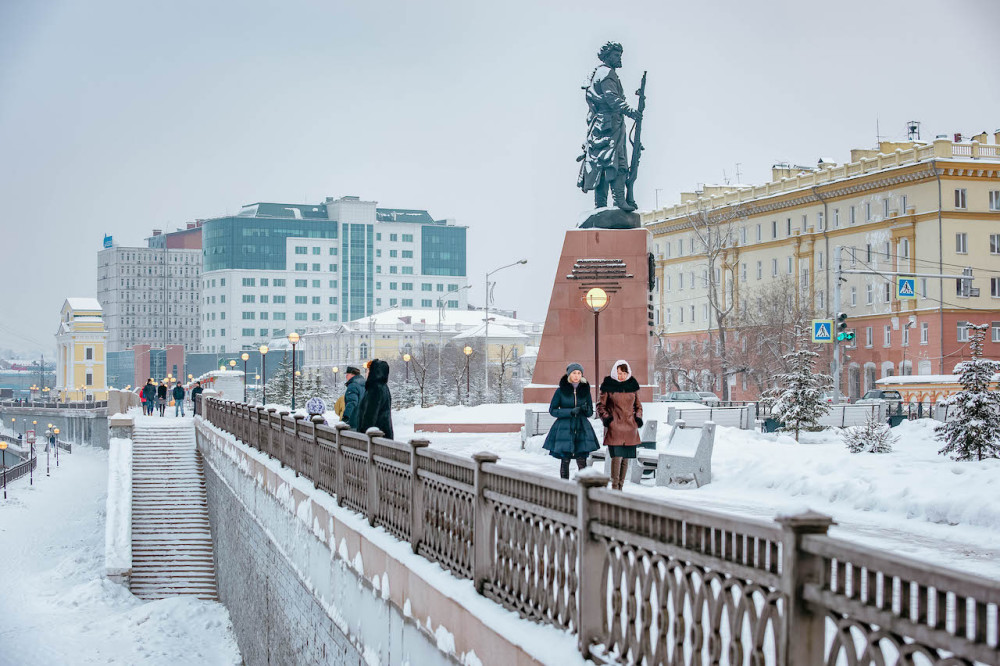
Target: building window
{"points": [[906, 336], [426, 303], [962, 334], [278, 299], [407, 254], [88, 355], [315, 250], [925, 333], [852, 215], [393, 254], [249, 332], [301, 267], [301, 283], [904, 248], [994, 243], [868, 336], [407, 238], [393, 237], [301, 316], [315, 300], [680, 281], [960, 198], [774, 229], [868, 211], [869, 294], [280, 316], [789, 265], [995, 331], [962, 243], [315, 267], [788, 225], [407, 270], [333, 268], [820, 259], [249, 315], [407, 286], [854, 296], [995, 287], [249, 298], [704, 312], [333, 251], [888, 292], [923, 287], [820, 222], [279, 282], [902, 204], [774, 267], [666, 284], [301, 300], [885, 208], [760, 237], [760, 270], [407, 302], [994, 199], [887, 335], [299, 249]]}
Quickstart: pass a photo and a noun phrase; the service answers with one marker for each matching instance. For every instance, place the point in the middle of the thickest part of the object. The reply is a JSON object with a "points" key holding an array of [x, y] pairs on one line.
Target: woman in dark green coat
{"points": [[571, 436]]}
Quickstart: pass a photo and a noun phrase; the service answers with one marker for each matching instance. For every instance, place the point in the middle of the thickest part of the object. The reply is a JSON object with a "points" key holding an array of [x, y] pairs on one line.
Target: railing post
{"points": [[802, 641], [270, 430], [317, 419], [372, 433], [338, 481], [416, 495], [482, 525], [296, 444], [591, 565]]}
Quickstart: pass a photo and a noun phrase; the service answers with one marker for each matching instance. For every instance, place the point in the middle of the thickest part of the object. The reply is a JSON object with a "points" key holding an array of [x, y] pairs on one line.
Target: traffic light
{"points": [[843, 335]]}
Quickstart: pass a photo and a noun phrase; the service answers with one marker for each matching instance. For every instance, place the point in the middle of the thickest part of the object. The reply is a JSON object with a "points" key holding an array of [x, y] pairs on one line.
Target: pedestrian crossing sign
{"points": [[906, 288], [822, 330]]}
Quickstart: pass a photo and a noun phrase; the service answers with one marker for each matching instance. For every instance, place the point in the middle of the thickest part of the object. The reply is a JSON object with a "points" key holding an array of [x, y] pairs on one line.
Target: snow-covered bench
{"points": [[743, 417], [647, 440], [688, 457]]}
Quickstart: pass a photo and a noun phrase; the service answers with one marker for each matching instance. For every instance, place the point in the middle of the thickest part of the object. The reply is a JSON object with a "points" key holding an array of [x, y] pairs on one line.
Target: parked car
{"points": [[828, 397], [880, 395], [681, 396], [709, 398]]}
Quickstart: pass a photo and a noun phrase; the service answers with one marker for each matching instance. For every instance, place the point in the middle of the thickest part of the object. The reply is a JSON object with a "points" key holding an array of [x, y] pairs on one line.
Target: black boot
{"points": [[564, 468], [618, 193], [581, 462]]}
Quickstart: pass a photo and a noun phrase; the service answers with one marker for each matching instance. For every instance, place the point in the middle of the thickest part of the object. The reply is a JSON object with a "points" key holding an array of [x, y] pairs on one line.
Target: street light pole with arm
{"points": [[486, 330]]}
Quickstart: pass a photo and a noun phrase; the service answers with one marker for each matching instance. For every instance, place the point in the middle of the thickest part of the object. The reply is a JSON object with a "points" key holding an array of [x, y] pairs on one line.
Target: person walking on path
{"points": [[352, 398], [571, 436], [178, 395], [621, 412], [161, 398], [149, 392], [195, 392], [374, 410]]}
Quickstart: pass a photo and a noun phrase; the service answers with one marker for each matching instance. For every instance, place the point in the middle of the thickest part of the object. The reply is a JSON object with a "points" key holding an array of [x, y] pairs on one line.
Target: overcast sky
{"points": [[118, 117]]}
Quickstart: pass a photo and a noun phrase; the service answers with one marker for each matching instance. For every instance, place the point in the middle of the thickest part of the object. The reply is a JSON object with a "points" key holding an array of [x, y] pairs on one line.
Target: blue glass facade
{"points": [[443, 250], [251, 243], [357, 290]]}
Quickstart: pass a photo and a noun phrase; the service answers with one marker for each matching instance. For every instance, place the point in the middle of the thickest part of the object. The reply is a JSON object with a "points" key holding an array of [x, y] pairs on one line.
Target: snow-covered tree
{"points": [[874, 436], [279, 386], [798, 400], [974, 431]]}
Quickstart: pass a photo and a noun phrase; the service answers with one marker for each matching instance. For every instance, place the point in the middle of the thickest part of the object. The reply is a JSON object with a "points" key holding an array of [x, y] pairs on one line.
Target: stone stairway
{"points": [[171, 538]]}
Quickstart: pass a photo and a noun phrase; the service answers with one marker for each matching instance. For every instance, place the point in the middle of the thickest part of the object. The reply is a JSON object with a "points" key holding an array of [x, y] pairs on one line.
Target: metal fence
{"points": [[38, 404], [22, 469], [639, 581]]}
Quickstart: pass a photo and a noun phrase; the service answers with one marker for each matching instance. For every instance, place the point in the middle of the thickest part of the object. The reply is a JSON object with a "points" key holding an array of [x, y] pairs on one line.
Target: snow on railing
{"points": [[637, 580]]}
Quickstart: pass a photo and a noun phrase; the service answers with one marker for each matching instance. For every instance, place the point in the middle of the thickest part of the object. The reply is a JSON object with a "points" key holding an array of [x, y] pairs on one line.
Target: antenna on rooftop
{"points": [[878, 134], [739, 174], [913, 130]]}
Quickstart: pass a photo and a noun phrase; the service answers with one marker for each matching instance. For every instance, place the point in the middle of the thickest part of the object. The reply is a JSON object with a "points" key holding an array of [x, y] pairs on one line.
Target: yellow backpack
{"points": [[339, 406]]}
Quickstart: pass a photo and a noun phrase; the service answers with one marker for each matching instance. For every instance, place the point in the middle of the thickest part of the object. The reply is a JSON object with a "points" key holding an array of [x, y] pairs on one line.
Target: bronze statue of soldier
{"points": [[605, 163]]}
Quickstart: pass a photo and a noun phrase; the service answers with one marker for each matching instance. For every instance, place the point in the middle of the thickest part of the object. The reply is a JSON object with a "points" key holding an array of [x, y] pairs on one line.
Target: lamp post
{"points": [[246, 357], [597, 300], [3, 459], [406, 359], [55, 438], [335, 371], [263, 372], [48, 446], [293, 337], [486, 330], [468, 383]]}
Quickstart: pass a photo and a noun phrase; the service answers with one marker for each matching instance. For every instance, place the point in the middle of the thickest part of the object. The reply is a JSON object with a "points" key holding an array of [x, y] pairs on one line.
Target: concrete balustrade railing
{"points": [[638, 581]]}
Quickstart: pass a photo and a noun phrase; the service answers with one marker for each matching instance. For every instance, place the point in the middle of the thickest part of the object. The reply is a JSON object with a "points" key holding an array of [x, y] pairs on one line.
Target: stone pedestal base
{"points": [[617, 261]]}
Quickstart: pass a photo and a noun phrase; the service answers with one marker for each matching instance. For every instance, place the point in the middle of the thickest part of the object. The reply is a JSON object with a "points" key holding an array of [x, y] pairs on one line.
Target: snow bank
{"points": [[118, 525]]}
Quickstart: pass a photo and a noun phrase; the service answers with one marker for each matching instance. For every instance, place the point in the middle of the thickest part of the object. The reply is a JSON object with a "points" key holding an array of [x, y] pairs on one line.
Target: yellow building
{"points": [[919, 208], [81, 368]]}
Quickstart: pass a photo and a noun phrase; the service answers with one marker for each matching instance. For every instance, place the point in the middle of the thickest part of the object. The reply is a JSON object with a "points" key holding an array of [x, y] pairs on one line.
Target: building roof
{"points": [[78, 303], [496, 331], [404, 215], [452, 320]]}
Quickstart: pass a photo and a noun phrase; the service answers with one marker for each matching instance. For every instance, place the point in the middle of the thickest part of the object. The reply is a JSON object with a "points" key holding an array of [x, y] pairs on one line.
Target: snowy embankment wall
{"points": [[306, 581], [118, 526]]}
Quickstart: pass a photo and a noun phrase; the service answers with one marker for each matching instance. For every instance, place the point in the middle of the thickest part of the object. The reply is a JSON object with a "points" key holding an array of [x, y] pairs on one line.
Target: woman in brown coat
{"points": [[620, 410]]}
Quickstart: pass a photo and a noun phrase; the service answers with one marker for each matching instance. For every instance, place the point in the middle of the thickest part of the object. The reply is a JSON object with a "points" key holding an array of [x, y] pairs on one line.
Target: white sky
{"points": [[119, 117]]}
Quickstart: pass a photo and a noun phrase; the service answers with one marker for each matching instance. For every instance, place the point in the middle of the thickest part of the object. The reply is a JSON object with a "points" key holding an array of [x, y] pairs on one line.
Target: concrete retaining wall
{"points": [[292, 598], [80, 426]]}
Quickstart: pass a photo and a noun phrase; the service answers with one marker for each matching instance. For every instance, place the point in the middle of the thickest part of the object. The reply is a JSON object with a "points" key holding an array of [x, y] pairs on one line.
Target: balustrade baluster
{"points": [[317, 419], [296, 442], [804, 631], [339, 453], [373, 497], [416, 495], [483, 538], [591, 564]]}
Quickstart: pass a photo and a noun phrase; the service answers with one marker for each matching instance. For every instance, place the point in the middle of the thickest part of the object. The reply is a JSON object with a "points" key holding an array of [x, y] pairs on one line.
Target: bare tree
{"points": [[765, 325], [508, 356], [718, 237]]}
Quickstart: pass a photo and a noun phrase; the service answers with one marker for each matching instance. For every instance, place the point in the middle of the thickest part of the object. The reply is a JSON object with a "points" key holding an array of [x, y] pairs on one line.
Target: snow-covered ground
{"points": [[56, 607], [912, 501]]}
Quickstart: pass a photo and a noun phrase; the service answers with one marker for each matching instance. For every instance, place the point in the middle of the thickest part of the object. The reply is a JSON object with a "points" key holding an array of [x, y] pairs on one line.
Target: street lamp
{"points": [[597, 300], [468, 383], [293, 337], [486, 330], [406, 359], [263, 371], [336, 369], [246, 357], [3, 459], [48, 447]]}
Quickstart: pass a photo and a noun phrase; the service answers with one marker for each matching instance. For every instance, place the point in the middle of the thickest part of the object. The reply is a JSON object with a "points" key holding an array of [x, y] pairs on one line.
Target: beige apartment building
{"points": [[763, 258]]}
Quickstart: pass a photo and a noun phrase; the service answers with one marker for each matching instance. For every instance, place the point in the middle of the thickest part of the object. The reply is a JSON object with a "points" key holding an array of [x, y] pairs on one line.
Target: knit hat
{"points": [[573, 366], [351, 370], [316, 406]]}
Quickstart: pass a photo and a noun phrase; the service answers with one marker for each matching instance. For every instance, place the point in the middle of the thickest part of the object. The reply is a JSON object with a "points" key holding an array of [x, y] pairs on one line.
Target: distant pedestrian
{"points": [[352, 397], [316, 407], [376, 405], [149, 392], [621, 412], [161, 398], [571, 436], [195, 392], [178, 395]]}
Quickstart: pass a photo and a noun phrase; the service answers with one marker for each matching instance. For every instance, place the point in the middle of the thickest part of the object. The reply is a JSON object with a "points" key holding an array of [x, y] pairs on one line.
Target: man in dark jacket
{"points": [[178, 395], [376, 405], [195, 392], [352, 397], [149, 392]]}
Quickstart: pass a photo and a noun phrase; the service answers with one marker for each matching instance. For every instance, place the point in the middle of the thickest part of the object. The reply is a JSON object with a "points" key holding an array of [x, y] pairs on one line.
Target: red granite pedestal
{"points": [[617, 261]]}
